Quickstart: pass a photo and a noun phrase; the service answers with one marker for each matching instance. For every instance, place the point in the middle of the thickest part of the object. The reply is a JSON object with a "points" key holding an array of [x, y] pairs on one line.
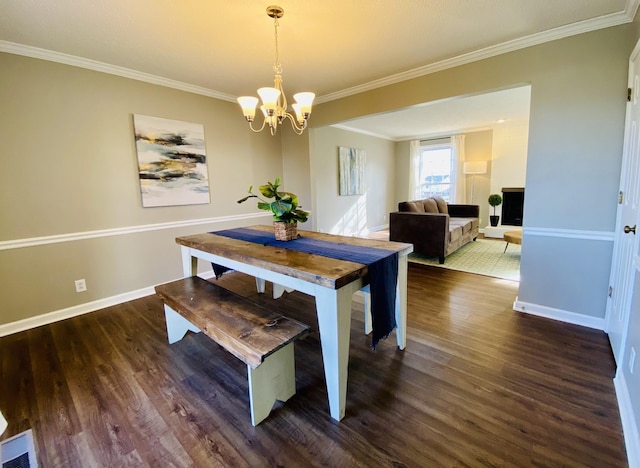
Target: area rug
{"points": [[483, 257]]}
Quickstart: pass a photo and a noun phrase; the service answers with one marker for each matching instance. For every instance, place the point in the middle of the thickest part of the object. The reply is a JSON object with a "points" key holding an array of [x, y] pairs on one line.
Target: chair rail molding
{"points": [[608, 236], [74, 236]]}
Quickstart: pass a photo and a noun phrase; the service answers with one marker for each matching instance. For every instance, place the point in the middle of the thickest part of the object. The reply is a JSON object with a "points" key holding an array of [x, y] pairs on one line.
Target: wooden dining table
{"points": [[332, 282]]}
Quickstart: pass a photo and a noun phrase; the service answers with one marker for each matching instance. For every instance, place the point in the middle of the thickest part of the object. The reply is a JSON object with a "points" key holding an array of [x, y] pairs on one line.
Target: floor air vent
{"points": [[19, 451]]}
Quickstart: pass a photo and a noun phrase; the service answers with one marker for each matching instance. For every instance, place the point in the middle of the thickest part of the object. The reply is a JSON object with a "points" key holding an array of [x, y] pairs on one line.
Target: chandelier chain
{"points": [[277, 67]]}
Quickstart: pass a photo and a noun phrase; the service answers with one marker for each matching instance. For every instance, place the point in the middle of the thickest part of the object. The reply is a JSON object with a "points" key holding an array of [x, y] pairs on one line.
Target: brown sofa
{"points": [[434, 227]]}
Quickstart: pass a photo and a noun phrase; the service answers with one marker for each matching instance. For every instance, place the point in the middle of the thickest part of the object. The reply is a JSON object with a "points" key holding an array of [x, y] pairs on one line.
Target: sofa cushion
{"points": [[455, 233], [411, 206], [430, 206], [465, 223], [442, 205]]}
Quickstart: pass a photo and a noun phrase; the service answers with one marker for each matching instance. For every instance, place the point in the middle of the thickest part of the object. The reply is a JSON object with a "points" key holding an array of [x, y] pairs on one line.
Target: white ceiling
{"points": [[225, 48]]}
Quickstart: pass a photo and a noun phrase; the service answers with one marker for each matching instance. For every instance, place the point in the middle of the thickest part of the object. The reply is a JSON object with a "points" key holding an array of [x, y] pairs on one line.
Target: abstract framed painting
{"points": [[172, 162], [352, 171]]}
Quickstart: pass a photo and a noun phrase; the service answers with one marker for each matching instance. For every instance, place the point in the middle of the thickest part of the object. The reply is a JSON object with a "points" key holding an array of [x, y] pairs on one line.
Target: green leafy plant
{"points": [[494, 200], [284, 206]]}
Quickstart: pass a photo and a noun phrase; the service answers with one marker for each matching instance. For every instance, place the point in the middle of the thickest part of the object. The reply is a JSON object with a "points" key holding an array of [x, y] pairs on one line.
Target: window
{"points": [[435, 171]]}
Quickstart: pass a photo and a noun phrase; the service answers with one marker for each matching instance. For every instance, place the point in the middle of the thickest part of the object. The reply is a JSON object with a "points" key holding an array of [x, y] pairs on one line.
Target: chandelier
{"points": [[274, 102]]}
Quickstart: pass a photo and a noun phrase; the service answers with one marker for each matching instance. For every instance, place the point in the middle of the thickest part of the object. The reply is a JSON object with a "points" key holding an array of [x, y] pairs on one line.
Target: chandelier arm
{"points": [[284, 100], [294, 124], [264, 122]]}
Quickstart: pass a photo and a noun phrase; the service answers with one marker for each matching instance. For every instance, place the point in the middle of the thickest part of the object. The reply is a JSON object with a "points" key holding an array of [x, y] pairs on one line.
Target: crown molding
{"points": [[606, 21], [362, 132], [66, 59], [613, 19]]}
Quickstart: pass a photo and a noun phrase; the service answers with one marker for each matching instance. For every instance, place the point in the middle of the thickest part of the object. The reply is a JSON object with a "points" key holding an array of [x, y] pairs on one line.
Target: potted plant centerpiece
{"points": [[494, 200], [285, 209]]}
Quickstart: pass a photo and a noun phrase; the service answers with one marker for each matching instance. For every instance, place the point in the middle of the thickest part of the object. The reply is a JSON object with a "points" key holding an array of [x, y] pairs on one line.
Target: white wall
{"points": [[354, 214]]}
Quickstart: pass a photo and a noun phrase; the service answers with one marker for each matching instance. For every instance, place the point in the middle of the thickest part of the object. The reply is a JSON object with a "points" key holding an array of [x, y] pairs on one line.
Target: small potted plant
{"points": [[285, 209], [494, 200]]}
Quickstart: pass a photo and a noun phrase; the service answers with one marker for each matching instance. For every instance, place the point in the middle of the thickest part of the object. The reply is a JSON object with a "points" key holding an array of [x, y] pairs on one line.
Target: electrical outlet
{"points": [[81, 285], [632, 359]]}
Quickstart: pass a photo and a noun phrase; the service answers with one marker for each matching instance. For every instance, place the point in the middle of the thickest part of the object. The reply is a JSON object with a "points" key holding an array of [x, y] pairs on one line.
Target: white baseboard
{"points": [[559, 314], [80, 309], [379, 228], [629, 425]]}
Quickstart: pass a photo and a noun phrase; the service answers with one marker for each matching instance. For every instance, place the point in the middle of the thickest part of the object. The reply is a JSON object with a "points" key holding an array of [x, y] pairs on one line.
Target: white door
{"points": [[625, 245]]}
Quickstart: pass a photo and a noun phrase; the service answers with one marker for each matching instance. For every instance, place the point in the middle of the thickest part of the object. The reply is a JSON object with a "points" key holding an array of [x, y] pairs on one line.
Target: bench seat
{"points": [[260, 338]]}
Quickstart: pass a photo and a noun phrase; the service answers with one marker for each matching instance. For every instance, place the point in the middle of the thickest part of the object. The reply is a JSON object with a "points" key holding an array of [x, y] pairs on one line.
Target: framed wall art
{"points": [[352, 166], [172, 162]]}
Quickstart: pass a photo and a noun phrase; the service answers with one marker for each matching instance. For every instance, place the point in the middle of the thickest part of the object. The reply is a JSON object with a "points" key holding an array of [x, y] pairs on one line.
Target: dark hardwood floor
{"points": [[478, 385]]}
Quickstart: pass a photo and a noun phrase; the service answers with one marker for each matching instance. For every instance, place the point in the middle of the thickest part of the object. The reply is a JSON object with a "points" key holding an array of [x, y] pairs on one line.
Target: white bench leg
{"points": [[177, 325], [274, 379], [278, 290]]}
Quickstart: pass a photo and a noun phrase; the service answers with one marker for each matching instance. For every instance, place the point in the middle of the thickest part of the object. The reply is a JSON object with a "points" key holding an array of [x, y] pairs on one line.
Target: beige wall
{"points": [[354, 214], [576, 127], [70, 167], [296, 169]]}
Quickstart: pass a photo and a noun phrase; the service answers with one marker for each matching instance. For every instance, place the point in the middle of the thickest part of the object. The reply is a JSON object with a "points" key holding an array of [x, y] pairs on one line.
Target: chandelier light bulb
{"points": [[305, 100], [269, 98], [248, 104], [298, 111]]}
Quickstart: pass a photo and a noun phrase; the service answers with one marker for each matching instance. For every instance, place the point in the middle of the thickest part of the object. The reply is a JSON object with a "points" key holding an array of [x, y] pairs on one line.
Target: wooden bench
{"points": [[262, 339]]}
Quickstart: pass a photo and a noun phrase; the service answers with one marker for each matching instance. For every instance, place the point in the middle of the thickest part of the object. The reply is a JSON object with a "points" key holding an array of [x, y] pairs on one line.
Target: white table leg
{"points": [[368, 323], [334, 322], [401, 302], [260, 285], [189, 263]]}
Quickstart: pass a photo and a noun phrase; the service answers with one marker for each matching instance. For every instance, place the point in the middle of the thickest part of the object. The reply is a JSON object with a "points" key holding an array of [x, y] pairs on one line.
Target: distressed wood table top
{"points": [[325, 271]]}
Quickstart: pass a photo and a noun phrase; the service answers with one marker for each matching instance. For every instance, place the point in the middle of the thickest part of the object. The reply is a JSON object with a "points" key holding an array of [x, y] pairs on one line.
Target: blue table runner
{"points": [[382, 265]]}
